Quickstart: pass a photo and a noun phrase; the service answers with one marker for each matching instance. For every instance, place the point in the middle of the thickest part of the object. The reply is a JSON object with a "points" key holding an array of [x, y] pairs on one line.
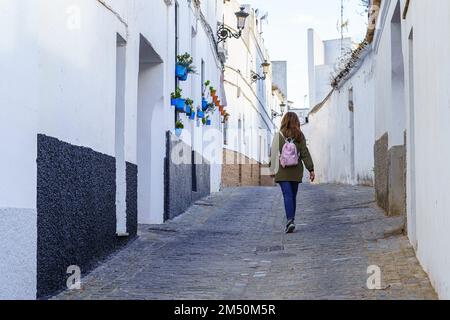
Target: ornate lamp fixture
{"points": [[266, 68], [224, 32], [276, 114], [282, 109]]}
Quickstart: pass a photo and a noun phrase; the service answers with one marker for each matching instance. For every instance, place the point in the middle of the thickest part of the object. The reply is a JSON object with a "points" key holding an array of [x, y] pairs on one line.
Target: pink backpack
{"points": [[289, 155]]}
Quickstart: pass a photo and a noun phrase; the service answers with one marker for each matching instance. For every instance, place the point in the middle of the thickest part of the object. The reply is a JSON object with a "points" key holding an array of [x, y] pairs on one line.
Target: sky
{"points": [[285, 34]]}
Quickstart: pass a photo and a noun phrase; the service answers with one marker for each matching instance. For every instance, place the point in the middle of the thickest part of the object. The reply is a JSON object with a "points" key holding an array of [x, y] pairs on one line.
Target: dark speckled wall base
{"points": [[178, 178], [132, 198], [76, 210]]}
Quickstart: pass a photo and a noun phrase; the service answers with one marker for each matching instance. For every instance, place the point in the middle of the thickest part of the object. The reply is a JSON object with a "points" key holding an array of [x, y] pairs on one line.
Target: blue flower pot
{"points": [[181, 71], [200, 114], [208, 122], [188, 109], [183, 78], [173, 102], [178, 132], [192, 116], [181, 104], [204, 104]]}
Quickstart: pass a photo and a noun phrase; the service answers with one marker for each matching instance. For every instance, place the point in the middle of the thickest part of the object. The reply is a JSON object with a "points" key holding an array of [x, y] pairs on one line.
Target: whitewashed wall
{"points": [[70, 57], [389, 113], [329, 131], [61, 58], [18, 148], [428, 136], [205, 140]]}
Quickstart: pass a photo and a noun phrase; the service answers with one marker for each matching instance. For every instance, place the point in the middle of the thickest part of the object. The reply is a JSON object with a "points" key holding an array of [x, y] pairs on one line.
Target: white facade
{"points": [[341, 129], [323, 62], [250, 126], [18, 126], [96, 74], [399, 89], [425, 32]]}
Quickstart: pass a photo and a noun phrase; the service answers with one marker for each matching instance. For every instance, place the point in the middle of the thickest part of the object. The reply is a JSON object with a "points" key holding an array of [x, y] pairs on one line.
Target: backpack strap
{"points": [[287, 140]]}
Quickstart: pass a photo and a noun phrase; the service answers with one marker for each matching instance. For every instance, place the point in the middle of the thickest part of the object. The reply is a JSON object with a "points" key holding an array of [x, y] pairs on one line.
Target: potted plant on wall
{"points": [[207, 107], [200, 114], [206, 121], [174, 96], [204, 100], [189, 104], [177, 101], [184, 66], [213, 91], [205, 104], [179, 126]]}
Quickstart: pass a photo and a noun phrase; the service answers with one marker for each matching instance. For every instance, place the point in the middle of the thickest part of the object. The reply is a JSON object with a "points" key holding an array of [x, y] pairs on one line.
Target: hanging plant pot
{"points": [[218, 104], [204, 104], [200, 114], [184, 77], [173, 101], [192, 116], [188, 109], [221, 109], [180, 105], [215, 99], [181, 72], [178, 132], [208, 122]]}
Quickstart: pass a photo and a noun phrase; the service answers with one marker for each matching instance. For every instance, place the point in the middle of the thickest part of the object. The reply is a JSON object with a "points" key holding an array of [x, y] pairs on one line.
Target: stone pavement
{"points": [[231, 245]]}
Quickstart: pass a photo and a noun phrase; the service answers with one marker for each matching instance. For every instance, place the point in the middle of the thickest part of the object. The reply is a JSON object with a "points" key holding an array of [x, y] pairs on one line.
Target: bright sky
{"points": [[286, 33]]}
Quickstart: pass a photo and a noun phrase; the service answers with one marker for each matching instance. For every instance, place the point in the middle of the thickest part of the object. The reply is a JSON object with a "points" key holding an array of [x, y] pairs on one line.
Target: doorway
{"points": [[150, 135]]}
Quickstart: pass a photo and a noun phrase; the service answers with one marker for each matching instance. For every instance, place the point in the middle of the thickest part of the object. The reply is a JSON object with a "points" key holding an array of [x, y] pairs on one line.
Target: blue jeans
{"points": [[290, 190]]}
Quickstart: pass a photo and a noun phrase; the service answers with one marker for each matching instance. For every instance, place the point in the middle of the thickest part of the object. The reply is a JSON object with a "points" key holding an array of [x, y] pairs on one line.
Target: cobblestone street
{"points": [[232, 245]]}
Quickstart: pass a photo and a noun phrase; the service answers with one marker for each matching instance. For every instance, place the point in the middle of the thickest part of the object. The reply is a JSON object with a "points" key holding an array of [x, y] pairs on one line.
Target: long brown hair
{"points": [[290, 126]]}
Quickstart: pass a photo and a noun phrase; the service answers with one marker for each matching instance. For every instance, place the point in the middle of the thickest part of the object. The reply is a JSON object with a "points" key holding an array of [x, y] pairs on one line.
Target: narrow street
{"points": [[231, 245]]}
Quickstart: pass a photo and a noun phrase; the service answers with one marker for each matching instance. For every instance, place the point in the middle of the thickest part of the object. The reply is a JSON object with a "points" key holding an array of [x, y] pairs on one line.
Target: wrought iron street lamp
{"points": [[276, 114], [266, 68], [282, 109], [224, 32]]}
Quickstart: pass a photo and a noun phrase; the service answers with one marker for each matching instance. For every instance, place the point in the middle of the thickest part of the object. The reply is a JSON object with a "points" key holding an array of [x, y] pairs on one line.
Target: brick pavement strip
{"points": [[231, 245]]}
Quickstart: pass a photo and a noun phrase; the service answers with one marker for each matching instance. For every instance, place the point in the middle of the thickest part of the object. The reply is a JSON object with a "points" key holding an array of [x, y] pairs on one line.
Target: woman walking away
{"points": [[289, 153]]}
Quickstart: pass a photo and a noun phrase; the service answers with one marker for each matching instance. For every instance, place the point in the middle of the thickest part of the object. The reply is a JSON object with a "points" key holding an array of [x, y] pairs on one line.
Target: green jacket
{"points": [[291, 174]]}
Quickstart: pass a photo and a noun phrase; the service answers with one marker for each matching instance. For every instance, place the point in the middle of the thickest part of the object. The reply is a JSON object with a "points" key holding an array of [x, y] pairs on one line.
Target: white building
{"points": [[394, 98], [424, 30], [280, 101], [341, 126], [324, 59], [302, 113], [251, 126], [87, 129]]}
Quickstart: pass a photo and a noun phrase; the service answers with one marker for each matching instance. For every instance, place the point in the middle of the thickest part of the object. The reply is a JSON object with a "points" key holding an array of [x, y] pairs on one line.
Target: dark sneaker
{"points": [[290, 227]]}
